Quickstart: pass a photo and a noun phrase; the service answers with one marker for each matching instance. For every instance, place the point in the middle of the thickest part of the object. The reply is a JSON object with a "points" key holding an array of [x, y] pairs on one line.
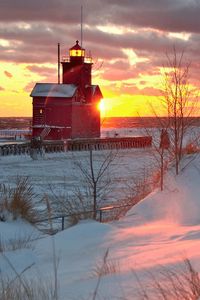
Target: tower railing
{"points": [[87, 59]]}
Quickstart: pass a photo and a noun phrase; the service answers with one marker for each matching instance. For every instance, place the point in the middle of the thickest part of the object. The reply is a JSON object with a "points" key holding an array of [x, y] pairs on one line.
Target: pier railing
{"points": [[78, 145], [14, 149]]}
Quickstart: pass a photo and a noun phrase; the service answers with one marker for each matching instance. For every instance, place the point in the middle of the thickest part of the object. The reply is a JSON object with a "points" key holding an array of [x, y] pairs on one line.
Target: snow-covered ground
{"points": [[58, 171], [161, 230]]}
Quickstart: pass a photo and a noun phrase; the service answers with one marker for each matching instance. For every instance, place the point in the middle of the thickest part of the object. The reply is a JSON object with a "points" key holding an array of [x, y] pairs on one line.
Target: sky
{"points": [[127, 39]]}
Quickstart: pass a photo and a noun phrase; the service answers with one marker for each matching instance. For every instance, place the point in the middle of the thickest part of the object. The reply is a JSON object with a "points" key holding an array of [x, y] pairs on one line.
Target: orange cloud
{"points": [[8, 74]]}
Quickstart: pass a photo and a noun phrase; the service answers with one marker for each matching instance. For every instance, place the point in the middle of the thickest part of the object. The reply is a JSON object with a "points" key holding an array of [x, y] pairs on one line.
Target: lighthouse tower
{"points": [[77, 69], [68, 110]]}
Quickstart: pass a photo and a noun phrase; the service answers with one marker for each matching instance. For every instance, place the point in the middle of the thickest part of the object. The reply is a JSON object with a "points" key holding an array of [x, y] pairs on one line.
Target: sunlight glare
{"points": [[101, 106]]}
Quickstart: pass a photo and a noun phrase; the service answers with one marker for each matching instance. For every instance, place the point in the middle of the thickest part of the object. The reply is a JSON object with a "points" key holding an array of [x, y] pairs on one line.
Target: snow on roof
{"points": [[53, 90]]}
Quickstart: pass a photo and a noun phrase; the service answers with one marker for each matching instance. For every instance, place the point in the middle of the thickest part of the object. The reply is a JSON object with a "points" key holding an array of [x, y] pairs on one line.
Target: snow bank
{"points": [[178, 203], [162, 230]]}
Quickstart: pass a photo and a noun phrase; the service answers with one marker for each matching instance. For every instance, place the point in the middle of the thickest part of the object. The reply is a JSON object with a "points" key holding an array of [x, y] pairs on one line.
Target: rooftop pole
{"points": [[81, 26], [58, 63]]}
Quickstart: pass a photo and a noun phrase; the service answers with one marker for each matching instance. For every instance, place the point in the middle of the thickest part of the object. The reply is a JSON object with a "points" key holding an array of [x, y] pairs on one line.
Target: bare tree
{"points": [[96, 176], [179, 99]]}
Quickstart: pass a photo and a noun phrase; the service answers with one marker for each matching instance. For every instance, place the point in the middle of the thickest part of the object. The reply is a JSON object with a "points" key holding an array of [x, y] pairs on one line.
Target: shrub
{"points": [[22, 289], [179, 283], [18, 201], [17, 242], [191, 148], [106, 267], [77, 206]]}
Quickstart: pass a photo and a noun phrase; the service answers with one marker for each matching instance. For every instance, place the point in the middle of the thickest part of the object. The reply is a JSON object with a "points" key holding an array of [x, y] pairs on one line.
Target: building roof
{"points": [[53, 90], [63, 90], [77, 46]]}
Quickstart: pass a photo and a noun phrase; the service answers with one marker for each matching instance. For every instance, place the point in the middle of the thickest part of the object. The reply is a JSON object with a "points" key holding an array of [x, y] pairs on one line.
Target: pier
{"points": [[78, 145]]}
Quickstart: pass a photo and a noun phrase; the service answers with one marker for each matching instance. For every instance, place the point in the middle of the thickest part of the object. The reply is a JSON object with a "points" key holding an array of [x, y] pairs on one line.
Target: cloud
{"points": [[1, 88], [38, 42], [28, 88], [146, 91], [8, 74], [42, 70]]}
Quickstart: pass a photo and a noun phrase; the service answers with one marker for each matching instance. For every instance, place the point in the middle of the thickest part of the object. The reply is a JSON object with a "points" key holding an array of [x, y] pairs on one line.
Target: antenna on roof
{"points": [[81, 26]]}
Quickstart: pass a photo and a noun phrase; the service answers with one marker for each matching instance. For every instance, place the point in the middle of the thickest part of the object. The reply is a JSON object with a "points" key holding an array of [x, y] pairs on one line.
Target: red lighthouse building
{"points": [[68, 110]]}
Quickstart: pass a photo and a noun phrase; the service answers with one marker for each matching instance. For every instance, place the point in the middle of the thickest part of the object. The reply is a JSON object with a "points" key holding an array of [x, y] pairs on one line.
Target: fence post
{"points": [[63, 222], [100, 216]]}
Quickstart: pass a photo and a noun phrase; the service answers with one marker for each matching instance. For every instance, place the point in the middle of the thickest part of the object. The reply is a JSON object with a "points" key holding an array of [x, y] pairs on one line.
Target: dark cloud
{"points": [[167, 15], [36, 10], [8, 74], [164, 15]]}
